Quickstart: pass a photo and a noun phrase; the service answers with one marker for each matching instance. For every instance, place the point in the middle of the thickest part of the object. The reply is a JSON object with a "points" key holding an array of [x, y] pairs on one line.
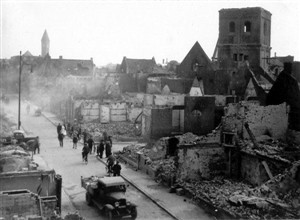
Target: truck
{"points": [[108, 195], [18, 137]]}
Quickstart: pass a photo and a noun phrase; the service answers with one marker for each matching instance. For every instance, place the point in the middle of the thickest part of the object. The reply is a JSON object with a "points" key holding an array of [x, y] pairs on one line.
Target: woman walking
{"points": [[75, 140]]}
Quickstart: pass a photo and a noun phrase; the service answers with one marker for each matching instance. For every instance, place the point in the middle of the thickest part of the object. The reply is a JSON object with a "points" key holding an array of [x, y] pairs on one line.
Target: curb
{"points": [[146, 194]]}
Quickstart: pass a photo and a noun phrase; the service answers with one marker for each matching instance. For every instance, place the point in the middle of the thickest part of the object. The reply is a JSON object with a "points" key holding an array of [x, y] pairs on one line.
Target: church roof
{"points": [[27, 54]]}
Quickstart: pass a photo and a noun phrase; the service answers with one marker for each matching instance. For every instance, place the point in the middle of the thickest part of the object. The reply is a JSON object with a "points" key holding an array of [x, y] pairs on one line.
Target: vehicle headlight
{"points": [[117, 204], [128, 203]]}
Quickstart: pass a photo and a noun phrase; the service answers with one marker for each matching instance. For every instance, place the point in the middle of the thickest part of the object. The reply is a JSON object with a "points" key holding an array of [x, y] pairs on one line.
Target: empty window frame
{"points": [[265, 28], [246, 57], [241, 57], [235, 57], [231, 27], [247, 27]]}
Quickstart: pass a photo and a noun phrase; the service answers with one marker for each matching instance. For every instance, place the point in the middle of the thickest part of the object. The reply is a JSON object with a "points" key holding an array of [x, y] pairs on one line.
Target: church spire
{"points": [[45, 44]]}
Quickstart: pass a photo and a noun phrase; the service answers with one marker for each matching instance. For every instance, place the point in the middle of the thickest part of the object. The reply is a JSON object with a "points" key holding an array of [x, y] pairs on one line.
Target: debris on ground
{"points": [[278, 198]]}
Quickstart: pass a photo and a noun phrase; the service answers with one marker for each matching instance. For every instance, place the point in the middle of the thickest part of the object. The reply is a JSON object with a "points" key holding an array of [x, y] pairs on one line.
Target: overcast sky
{"points": [[109, 30]]}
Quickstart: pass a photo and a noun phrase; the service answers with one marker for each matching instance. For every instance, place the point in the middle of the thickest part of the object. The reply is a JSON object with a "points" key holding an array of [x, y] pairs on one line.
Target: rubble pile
{"points": [[278, 198], [190, 138], [268, 147], [116, 129], [13, 158], [166, 170], [132, 151]]}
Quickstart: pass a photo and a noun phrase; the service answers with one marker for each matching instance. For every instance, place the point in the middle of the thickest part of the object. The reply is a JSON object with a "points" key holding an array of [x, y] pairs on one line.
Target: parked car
{"points": [[108, 195]]}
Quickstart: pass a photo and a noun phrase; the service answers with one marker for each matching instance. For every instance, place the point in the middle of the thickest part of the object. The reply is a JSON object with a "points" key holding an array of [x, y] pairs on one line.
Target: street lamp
{"points": [[19, 112], [20, 71]]}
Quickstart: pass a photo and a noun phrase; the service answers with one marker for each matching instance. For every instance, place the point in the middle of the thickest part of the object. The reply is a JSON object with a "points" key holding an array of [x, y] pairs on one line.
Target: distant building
{"points": [[133, 66]]}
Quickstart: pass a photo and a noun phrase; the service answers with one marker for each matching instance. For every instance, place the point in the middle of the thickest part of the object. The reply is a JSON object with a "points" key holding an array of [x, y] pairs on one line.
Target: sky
{"points": [[109, 30]]}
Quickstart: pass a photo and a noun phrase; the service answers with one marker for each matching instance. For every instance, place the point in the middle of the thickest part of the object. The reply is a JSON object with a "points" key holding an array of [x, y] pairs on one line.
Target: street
{"points": [[68, 163]]}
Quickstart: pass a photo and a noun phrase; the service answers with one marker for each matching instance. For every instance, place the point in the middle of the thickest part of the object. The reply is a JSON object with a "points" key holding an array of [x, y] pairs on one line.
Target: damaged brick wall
{"points": [[270, 120], [20, 204], [201, 161]]}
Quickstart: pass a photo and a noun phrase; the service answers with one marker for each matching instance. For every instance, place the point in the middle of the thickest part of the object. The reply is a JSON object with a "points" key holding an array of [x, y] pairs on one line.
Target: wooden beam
{"points": [[267, 169]]}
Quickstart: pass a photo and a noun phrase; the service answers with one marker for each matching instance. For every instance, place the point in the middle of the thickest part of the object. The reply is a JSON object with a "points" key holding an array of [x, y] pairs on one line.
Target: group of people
{"points": [[89, 146]]}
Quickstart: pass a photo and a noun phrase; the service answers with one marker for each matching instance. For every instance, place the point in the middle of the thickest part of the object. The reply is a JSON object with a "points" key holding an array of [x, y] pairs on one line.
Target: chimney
{"points": [[275, 54], [60, 57]]}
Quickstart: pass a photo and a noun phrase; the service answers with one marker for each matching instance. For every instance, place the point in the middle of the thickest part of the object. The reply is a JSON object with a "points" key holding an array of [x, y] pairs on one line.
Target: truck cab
{"points": [[108, 195]]}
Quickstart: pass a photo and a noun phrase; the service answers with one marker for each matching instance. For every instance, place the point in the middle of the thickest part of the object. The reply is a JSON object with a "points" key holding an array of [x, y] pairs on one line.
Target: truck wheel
{"points": [[108, 214], [88, 199], [133, 213]]}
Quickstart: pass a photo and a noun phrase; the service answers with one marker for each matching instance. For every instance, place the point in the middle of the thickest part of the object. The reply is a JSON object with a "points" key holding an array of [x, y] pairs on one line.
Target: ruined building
{"points": [[244, 34]]}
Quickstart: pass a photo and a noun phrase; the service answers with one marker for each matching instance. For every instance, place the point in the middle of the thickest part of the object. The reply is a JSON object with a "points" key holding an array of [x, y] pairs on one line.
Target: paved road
{"points": [[67, 162]]}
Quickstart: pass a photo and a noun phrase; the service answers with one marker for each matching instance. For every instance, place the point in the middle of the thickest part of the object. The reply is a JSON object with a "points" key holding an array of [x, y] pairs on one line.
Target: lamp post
{"points": [[19, 112]]}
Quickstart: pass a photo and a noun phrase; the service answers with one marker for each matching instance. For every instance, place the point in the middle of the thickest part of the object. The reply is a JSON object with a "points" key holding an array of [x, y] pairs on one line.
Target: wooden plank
{"points": [[267, 169]]}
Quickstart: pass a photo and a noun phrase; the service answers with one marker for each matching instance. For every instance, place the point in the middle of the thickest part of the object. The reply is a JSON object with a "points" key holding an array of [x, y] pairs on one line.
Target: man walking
{"points": [[61, 139], [90, 143], [59, 127], [100, 149], [75, 140], [107, 149], [117, 169], [85, 153]]}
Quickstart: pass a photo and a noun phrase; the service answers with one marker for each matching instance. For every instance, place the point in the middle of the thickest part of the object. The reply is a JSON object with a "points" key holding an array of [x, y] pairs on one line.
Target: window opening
{"points": [[247, 26], [241, 57], [235, 57], [232, 27]]}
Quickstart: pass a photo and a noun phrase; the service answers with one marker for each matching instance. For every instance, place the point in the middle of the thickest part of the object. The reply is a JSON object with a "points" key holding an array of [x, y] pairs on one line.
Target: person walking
{"points": [[107, 149], [85, 136], [100, 149], [58, 128], [85, 153], [117, 169], [110, 140], [75, 140], [110, 162], [61, 139], [90, 143]]}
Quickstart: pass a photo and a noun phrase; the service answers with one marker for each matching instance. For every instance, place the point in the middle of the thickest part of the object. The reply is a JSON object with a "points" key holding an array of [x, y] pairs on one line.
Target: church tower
{"points": [[244, 35], [45, 44]]}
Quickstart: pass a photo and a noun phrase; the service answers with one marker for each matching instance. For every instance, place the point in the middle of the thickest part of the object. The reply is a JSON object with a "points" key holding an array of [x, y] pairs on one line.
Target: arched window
{"points": [[265, 29], [247, 26], [231, 27]]}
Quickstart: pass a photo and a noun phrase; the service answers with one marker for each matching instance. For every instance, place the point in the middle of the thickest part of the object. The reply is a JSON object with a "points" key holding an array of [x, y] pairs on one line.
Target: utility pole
{"points": [[19, 113]]}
